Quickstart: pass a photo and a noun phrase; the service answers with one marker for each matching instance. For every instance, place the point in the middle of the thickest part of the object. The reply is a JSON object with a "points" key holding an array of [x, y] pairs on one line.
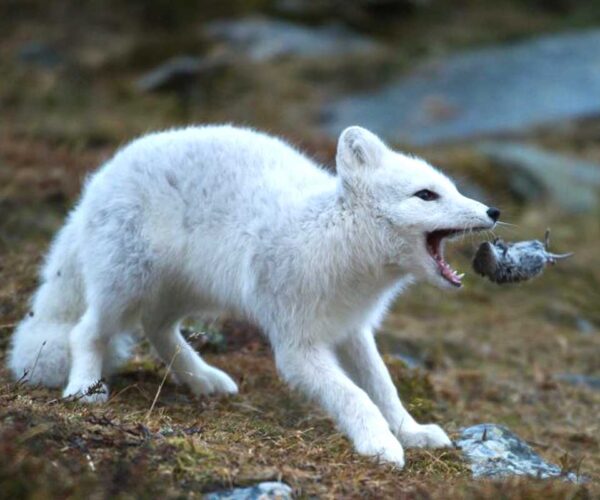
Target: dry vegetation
{"points": [[491, 353]]}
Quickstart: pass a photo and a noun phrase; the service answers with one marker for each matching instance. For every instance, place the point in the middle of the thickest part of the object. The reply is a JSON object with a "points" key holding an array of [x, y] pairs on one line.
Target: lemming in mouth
{"points": [[434, 242]]}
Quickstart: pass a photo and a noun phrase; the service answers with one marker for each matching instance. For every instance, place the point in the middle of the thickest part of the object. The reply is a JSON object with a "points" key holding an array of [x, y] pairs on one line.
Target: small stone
{"points": [[39, 54], [178, 73], [410, 361], [262, 491], [495, 452], [402, 349], [589, 381], [585, 326]]}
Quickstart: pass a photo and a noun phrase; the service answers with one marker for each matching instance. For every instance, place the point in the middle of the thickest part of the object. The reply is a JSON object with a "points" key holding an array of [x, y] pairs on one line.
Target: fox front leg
{"points": [[361, 359], [316, 372]]}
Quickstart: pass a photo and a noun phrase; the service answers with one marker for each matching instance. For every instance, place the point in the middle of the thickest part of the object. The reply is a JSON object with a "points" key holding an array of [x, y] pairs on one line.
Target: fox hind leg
{"points": [[88, 343], [186, 364]]}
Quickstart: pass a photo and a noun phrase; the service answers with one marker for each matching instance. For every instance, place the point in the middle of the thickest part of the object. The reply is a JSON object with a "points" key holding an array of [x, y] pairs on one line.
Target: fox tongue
{"points": [[434, 247]]}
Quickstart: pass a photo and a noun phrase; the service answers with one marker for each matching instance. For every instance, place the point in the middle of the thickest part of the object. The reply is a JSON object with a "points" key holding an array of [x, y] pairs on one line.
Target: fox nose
{"points": [[493, 213]]}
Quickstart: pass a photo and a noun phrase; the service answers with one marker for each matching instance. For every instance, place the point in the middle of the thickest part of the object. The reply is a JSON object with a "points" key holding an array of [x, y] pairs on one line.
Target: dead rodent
{"points": [[505, 262]]}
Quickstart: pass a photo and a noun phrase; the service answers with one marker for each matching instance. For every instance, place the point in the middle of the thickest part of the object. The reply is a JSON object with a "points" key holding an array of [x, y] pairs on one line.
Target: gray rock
{"points": [[263, 39], [534, 173], [40, 54], [411, 362], [261, 491], [178, 73], [403, 349], [498, 89], [494, 451], [582, 380], [585, 326]]}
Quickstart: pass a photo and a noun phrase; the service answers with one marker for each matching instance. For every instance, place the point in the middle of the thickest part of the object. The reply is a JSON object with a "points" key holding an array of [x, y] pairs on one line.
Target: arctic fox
{"points": [[217, 218]]}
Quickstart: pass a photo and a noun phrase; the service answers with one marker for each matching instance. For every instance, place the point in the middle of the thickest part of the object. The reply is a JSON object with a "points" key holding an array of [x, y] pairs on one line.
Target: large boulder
{"points": [[498, 89], [533, 173], [262, 39]]}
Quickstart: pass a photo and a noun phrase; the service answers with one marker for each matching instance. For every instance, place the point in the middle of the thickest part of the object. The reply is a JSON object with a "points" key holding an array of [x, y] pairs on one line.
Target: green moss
{"points": [[414, 387]]}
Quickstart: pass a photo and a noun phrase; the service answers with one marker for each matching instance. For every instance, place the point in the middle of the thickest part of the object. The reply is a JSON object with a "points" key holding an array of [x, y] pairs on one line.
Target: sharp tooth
{"points": [[461, 276]]}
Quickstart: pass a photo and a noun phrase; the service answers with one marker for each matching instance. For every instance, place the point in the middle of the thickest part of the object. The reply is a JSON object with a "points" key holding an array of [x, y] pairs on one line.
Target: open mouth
{"points": [[435, 248]]}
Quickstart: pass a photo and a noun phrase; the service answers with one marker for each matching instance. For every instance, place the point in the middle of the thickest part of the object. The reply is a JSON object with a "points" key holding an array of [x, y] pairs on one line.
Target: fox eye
{"points": [[426, 195]]}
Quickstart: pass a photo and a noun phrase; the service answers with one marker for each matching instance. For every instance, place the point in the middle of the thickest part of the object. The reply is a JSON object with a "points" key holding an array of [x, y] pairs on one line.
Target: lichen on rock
{"points": [[494, 451]]}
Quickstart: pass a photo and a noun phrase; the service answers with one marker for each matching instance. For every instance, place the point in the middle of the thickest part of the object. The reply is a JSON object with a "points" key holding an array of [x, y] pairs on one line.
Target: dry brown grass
{"points": [[491, 354]]}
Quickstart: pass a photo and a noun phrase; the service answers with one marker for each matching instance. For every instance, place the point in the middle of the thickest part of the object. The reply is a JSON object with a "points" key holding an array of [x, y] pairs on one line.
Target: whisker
{"points": [[472, 234], [506, 226]]}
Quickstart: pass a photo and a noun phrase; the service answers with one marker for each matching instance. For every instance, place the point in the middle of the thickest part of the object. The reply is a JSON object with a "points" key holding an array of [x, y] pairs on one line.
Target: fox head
{"points": [[412, 205]]}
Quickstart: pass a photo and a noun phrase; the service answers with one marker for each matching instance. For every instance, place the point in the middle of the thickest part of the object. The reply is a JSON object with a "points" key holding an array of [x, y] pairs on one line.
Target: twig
{"points": [[114, 396], [96, 388], [246, 406], [438, 460], [37, 358], [177, 350], [21, 381]]}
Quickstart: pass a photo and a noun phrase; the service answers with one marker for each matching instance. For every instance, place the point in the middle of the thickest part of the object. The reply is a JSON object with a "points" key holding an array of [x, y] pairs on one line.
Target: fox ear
{"points": [[358, 151]]}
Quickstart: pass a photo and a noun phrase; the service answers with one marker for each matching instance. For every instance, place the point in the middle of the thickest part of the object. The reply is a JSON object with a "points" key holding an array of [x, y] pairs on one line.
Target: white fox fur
{"points": [[223, 218]]}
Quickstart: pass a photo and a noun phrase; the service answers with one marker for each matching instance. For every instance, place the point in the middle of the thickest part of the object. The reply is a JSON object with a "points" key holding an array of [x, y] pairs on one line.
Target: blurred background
{"points": [[503, 95]]}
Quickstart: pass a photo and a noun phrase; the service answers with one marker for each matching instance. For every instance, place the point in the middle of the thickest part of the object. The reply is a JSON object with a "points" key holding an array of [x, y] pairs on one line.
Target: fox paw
{"points": [[387, 450], [425, 436], [87, 392], [212, 381]]}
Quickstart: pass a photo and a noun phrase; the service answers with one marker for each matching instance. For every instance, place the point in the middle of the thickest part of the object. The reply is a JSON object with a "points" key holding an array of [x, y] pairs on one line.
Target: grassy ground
{"points": [[491, 354]]}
